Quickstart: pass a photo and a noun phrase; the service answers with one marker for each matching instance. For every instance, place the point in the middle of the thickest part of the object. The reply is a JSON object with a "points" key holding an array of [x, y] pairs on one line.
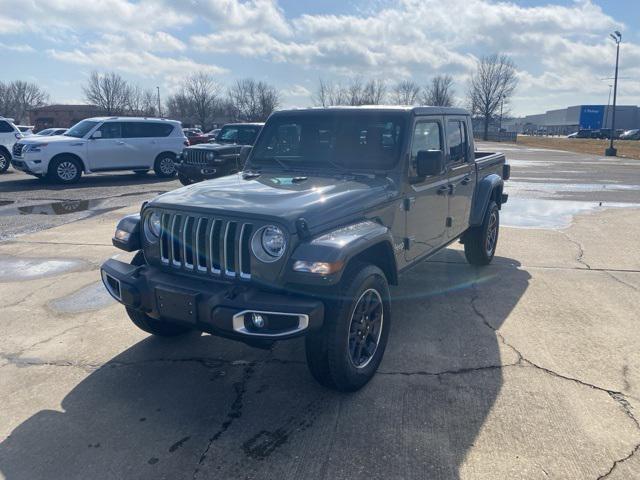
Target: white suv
{"points": [[9, 135], [103, 144]]}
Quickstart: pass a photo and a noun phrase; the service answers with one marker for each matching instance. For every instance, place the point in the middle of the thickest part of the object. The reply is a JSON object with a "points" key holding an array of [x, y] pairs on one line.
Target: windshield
{"points": [[361, 141], [79, 130], [45, 132], [228, 135]]}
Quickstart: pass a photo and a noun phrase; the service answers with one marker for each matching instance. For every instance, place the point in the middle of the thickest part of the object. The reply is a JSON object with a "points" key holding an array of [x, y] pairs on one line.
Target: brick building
{"points": [[61, 115]]}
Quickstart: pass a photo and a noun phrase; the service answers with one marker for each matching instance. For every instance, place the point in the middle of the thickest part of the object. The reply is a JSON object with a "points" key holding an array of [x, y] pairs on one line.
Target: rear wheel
{"points": [[346, 352], [160, 328], [164, 165], [65, 170], [480, 242], [5, 160]]}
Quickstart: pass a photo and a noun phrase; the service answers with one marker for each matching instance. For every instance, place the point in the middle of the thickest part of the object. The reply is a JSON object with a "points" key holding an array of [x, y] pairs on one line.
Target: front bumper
{"points": [[199, 173], [33, 167], [223, 309]]}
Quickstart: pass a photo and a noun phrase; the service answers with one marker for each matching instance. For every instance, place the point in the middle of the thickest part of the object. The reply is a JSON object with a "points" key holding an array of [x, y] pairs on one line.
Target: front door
{"points": [[109, 151], [462, 175], [426, 200]]}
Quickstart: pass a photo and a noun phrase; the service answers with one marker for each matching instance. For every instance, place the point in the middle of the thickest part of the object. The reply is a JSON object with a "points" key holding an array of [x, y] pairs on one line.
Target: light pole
{"points": [[501, 106], [611, 151], [159, 108], [606, 116]]}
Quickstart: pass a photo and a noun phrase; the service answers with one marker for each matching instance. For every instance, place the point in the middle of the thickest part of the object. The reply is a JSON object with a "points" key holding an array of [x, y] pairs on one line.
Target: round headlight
{"points": [[210, 156], [152, 226], [269, 243]]}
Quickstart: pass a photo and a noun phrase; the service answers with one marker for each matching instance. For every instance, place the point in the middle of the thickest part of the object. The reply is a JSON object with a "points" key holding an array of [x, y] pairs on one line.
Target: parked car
{"points": [[50, 132], [102, 144], [211, 160], [195, 136], [631, 135], [9, 135], [580, 134], [25, 130], [213, 134], [333, 204]]}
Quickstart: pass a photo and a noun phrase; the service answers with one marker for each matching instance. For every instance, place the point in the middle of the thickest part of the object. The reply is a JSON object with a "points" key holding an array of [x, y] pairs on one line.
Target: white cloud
{"points": [[21, 48]]}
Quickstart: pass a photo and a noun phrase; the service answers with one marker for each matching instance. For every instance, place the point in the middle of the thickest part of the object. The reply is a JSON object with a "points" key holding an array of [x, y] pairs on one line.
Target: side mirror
{"points": [[429, 163], [96, 134], [245, 150]]}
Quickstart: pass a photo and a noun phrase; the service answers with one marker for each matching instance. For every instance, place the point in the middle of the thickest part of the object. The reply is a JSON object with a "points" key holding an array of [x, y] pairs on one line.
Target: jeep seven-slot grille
{"points": [[211, 246], [196, 157]]}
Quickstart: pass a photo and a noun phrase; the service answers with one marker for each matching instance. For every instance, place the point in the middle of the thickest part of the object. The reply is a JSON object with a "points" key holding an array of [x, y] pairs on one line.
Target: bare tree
{"points": [[109, 91], [357, 92], [439, 92], [179, 106], [405, 93], [253, 101], [203, 93], [493, 83], [142, 102], [17, 98]]}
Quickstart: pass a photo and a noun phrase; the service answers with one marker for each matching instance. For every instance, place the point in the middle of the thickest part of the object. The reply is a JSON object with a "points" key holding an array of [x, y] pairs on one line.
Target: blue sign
{"points": [[591, 117]]}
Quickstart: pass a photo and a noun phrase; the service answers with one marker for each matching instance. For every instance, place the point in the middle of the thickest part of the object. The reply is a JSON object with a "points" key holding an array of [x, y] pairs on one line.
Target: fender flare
{"points": [[131, 225], [482, 197], [341, 245]]}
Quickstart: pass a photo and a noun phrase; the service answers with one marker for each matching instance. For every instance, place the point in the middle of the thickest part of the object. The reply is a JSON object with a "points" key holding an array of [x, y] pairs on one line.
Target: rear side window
{"points": [[5, 127], [457, 140], [111, 130], [246, 136], [146, 129]]}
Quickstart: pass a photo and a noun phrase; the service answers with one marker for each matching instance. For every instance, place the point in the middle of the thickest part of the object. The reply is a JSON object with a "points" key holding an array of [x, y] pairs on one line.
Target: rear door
{"points": [[427, 197], [462, 174]]}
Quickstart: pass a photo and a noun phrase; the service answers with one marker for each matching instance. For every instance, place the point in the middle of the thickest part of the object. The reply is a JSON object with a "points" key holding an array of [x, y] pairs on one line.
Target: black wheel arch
{"points": [[488, 189], [5, 151]]}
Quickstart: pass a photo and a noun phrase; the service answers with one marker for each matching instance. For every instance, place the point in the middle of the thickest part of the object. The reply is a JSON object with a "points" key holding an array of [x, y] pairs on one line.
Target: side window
{"points": [[246, 136], [457, 140], [146, 129], [426, 136], [5, 127], [111, 130]]}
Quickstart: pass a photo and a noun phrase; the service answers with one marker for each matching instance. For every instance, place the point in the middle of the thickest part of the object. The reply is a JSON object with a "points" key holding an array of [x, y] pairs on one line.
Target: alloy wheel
{"points": [[166, 166], [67, 171], [492, 233], [365, 328]]}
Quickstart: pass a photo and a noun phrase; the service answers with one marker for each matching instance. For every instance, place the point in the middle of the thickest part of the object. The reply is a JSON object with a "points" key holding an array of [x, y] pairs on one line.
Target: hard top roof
{"points": [[415, 110]]}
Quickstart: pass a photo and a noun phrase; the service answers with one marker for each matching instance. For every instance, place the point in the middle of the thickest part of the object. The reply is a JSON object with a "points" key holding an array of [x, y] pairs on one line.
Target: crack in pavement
{"points": [[619, 462], [235, 411], [619, 280], [580, 257]]}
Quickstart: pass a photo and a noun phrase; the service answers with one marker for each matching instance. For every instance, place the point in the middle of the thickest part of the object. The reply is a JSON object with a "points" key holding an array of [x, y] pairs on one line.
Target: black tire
{"points": [[184, 180], [160, 328], [141, 172], [64, 170], [480, 242], [164, 165], [5, 160], [333, 353]]}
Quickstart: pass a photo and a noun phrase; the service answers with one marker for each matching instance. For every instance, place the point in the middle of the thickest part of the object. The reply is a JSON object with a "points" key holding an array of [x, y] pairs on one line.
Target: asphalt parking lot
{"points": [[528, 368]]}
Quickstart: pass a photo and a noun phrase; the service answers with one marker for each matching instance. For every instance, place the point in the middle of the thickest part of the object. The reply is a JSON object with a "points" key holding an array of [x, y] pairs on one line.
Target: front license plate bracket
{"points": [[177, 304]]}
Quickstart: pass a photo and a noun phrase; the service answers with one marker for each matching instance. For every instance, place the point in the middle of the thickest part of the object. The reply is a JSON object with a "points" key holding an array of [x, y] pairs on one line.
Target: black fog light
{"points": [[258, 320]]}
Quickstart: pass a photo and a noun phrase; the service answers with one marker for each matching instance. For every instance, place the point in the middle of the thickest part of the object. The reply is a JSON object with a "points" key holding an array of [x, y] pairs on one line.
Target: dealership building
{"points": [[579, 117]]}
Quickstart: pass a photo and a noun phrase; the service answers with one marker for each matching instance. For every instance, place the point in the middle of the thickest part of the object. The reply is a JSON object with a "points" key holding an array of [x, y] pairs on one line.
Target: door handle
{"points": [[465, 181], [442, 190]]}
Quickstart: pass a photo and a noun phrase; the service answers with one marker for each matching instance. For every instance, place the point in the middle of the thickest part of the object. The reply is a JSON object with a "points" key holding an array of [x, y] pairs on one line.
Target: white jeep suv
{"points": [[9, 135], [100, 145]]}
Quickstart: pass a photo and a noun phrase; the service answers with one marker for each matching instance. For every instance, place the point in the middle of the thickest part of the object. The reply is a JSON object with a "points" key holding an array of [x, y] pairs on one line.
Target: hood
{"points": [[30, 140], [213, 146], [283, 197]]}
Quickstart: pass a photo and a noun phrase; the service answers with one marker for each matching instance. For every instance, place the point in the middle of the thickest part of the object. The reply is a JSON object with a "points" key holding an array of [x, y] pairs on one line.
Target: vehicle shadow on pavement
{"points": [[20, 183], [203, 407]]}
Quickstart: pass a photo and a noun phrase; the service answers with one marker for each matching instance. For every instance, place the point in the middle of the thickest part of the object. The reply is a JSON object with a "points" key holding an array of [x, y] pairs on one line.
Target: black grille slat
{"points": [[205, 245], [196, 157], [17, 149]]}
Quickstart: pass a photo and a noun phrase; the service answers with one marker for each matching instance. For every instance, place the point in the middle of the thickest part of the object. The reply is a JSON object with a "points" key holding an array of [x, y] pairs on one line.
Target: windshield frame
{"points": [[330, 163]]}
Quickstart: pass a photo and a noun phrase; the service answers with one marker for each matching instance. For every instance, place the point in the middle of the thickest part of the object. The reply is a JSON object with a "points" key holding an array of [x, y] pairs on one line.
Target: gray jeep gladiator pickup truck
{"points": [[217, 159], [332, 205]]}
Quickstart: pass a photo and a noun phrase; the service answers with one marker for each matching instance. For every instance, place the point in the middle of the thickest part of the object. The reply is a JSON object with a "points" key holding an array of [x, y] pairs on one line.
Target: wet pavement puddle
{"points": [[16, 269], [89, 298], [550, 214]]}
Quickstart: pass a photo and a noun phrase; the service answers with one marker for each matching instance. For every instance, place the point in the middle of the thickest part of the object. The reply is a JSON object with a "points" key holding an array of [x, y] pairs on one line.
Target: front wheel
{"points": [[345, 354], [164, 165], [184, 180], [480, 242], [65, 170], [4, 161]]}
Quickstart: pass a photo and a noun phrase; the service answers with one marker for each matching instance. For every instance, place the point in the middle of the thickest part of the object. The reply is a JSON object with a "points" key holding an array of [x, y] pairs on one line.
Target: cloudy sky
{"points": [[562, 49]]}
